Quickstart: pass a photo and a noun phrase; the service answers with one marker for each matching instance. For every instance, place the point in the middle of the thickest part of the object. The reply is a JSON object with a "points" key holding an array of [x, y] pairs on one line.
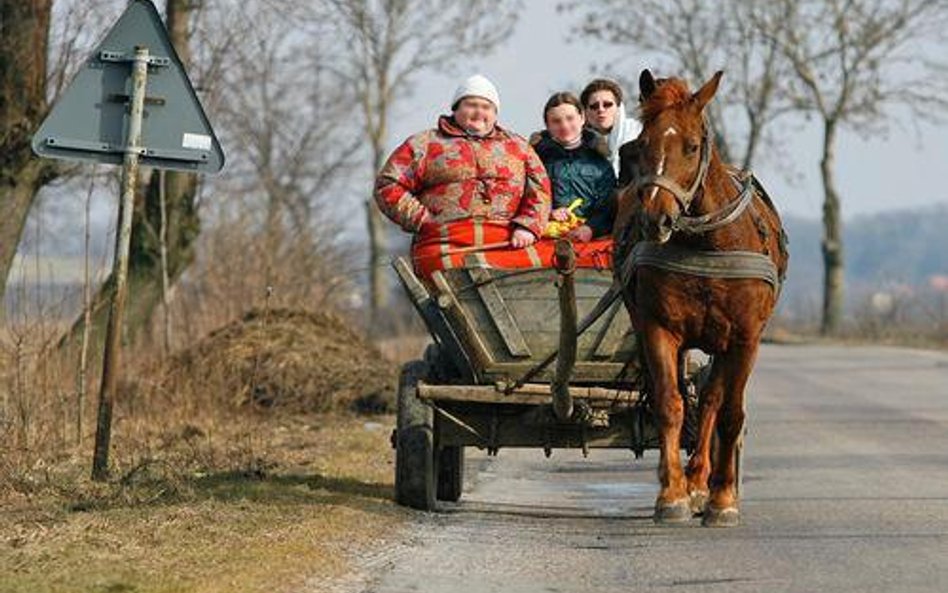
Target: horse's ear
{"points": [[704, 95], [646, 84]]}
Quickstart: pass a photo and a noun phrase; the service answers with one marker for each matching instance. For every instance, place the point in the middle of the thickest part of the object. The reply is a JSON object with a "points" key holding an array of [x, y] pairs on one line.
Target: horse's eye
{"points": [[690, 148]]}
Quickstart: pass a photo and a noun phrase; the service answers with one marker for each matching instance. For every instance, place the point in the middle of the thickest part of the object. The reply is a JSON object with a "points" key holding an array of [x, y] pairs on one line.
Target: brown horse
{"points": [[700, 255]]}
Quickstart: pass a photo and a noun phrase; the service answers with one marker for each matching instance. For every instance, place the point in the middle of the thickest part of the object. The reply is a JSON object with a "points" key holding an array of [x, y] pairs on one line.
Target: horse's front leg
{"points": [[699, 466], [722, 509], [661, 353]]}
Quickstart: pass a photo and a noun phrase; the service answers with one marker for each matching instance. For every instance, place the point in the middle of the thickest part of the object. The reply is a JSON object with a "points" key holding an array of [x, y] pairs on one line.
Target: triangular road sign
{"points": [[90, 121]]}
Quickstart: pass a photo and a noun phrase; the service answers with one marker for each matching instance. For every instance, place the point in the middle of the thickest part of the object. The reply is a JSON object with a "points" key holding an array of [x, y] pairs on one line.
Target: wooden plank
{"points": [[531, 394], [438, 325], [628, 347], [542, 319], [461, 321], [584, 371], [539, 287], [607, 337], [499, 314], [416, 290]]}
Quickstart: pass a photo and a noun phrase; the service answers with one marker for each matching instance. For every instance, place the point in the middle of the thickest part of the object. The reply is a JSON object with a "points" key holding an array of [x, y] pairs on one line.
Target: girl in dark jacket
{"points": [[583, 180]]}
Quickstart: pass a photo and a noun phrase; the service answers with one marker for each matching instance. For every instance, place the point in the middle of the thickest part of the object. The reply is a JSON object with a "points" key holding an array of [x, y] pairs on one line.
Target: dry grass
{"points": [[286, 358], [211, 490], [256, 504]]}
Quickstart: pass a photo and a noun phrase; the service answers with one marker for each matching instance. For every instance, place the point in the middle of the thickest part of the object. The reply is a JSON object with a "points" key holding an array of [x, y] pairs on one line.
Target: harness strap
{"points": [[708, 264], [729, 213]]}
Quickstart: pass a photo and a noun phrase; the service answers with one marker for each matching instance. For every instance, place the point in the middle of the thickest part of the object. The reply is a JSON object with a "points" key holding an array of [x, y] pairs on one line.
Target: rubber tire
{"points": [[450, 473], [415, 469]]}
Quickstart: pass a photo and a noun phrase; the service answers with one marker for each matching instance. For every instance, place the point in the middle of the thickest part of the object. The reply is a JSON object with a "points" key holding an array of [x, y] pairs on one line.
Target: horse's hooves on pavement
{"points": [[726, 517], [673, 512]]}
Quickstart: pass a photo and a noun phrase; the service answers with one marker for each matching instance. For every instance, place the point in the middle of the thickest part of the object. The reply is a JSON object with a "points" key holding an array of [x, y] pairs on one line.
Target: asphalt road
{"points": [[846, 489]]}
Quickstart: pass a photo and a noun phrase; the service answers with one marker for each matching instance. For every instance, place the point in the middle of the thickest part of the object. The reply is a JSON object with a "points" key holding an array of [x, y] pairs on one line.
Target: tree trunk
{"points": [[753, 139], [832, 237], [24, 32], [378, 247], [378, 283]]}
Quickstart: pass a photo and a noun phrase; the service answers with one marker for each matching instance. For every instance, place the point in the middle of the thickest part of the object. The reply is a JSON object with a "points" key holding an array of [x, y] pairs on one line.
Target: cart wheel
{"points": [[414, 445], [440, 368], [450, 473]]}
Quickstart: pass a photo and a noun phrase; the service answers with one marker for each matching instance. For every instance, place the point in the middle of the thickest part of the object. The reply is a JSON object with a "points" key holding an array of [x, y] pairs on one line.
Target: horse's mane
{"points": [[669, 92]]}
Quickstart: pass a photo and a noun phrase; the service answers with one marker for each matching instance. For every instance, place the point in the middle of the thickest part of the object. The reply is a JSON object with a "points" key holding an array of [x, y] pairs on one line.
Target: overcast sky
{"points": [[895, 172]]}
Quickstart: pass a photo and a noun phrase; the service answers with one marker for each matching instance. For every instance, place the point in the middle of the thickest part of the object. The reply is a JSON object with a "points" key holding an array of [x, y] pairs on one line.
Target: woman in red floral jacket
{"points": [[468, 168]]}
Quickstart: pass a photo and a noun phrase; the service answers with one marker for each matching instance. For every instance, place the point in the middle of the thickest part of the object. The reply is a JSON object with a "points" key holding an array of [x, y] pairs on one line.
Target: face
{"points": [[475, 114], [565, 122], [670, 147], [601, 109]]}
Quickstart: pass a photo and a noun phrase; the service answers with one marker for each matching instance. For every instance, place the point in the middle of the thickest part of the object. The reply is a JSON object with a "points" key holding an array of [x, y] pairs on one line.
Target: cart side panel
{"points": [[515, 315]]}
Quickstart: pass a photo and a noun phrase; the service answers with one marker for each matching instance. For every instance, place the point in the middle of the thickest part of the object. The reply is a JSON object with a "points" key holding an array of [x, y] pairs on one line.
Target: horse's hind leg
{"points": [[661, 350], [722, 509]]}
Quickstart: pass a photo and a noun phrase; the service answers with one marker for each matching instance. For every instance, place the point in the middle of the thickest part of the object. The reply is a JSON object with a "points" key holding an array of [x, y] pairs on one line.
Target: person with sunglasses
{"points": [[605, 114]]}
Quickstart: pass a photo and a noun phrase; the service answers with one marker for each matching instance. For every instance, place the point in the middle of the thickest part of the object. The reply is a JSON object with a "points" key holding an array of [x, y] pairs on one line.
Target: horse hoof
{"points": [[672, 512], [698, 500], [726, 517]]}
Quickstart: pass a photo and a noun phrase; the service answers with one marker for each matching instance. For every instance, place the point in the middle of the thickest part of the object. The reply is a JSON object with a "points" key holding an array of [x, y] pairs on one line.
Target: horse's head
{"points": [[665, 166]]}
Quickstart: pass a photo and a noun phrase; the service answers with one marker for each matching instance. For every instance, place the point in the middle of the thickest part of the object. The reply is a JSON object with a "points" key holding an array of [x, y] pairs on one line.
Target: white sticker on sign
{"points": [[196, 141]]}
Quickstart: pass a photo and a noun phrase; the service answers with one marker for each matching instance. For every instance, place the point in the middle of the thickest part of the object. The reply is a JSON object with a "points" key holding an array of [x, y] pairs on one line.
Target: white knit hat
{"points": [[477, 86]]}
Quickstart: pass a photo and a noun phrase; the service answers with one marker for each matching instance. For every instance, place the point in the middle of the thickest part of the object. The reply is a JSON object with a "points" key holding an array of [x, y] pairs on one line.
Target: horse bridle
{"points": [[705, 222], [684, 197]]}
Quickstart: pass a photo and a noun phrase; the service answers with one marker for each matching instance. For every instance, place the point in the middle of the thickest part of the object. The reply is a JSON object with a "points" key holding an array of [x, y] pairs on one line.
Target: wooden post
{"points": [[163, 250], [113, 334], [564, 259]]}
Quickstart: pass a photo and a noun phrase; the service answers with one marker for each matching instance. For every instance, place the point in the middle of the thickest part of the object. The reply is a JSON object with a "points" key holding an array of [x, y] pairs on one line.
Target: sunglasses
{"points": [[603, 104]]}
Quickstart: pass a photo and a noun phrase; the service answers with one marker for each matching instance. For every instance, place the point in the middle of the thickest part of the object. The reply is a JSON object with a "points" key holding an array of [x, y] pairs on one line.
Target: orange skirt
{"points": [[446, 246]]}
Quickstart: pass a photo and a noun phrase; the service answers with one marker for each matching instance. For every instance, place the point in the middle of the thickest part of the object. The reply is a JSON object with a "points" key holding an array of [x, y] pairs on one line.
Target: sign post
{"points": [[123, 239], [102, 117]]}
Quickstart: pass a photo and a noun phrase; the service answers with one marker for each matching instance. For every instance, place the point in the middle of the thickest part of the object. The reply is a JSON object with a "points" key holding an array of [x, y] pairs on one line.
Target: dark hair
{"points": [[600, 84], [563, 98]]}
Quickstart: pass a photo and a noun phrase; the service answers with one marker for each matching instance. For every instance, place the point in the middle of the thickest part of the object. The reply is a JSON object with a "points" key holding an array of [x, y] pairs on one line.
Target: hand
{"points": [[583, 234], [560, 214], [522, 238]]}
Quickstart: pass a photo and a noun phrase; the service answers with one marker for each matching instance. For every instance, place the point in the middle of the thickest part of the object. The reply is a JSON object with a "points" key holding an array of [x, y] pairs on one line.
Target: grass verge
{"points": [[265, 503]]}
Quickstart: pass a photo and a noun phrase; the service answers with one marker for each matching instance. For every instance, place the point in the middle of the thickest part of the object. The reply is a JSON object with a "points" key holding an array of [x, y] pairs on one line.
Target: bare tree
{"points": [[388, 43], [695, 38], [42, 44], [285, 107], [24, 42], [852, 59]]}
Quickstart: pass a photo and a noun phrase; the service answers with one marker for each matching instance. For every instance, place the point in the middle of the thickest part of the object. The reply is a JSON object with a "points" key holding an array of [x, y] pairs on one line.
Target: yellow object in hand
{"points": [[556, 228]]}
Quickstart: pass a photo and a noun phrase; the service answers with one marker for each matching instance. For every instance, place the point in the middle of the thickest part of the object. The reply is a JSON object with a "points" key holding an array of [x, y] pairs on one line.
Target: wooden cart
{"points": [[490, 327]]}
